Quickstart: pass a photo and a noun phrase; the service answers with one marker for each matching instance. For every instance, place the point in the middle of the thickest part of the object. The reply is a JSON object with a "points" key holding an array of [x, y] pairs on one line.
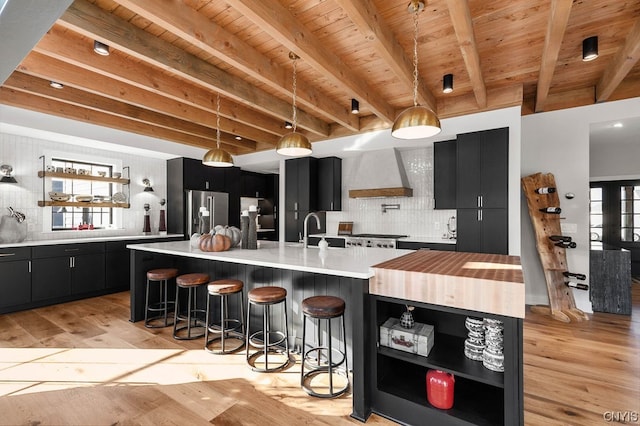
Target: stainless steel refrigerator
{"points": [[205, 210]]}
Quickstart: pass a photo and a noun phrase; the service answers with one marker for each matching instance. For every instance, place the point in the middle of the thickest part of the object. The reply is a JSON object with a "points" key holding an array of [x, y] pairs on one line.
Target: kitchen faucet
{"points": [[305, 239]]}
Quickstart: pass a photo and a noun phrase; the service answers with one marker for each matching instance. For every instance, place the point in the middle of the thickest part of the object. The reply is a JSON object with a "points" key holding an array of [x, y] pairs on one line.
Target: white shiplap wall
{"points": [[22, 153], [416, 216]]}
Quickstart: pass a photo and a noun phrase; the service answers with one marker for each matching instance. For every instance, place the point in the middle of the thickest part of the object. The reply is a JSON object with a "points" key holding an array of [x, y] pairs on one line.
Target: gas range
{"points": [[373, 240]]}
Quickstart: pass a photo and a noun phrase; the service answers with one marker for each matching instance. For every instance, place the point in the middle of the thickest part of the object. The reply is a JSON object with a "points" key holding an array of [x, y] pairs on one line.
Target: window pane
{"points": [[595, 194], [596, 221], [596, 207]]}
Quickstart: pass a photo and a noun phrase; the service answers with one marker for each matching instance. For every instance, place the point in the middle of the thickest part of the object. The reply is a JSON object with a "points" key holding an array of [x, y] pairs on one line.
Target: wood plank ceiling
{"points": [[170, 58]]}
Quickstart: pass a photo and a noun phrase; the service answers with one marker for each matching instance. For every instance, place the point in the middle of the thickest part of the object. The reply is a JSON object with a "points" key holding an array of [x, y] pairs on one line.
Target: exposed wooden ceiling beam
{"points": [[463, 26], [33, 102], [189, 25], [557, 25], [93, 22], [281, 25], [77, 97], [70, 47], [364, 15], [619, 67], [39, 65], [501, 97]]}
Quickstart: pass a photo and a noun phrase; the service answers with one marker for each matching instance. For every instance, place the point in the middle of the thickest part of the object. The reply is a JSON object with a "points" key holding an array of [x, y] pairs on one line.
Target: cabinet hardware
{"points": [[295, 206], [72, 249], [481, 201], [206, 185], [295, 215], [332, 205], [71, 262], [29, 266], [7, 254], [478, 201]]}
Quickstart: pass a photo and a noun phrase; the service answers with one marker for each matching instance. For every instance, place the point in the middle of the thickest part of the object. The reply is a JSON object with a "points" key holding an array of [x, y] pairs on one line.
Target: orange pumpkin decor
{"points": [[217, 242]]}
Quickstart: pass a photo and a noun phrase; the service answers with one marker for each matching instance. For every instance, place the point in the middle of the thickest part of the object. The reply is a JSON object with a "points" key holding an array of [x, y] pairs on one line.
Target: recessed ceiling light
{"points": [[618, 125], [56, 85], [238, 138], [100, 48]]}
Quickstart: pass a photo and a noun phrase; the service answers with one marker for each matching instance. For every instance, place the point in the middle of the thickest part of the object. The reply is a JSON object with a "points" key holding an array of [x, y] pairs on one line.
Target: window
{"points": [[630, 213], [595, 217], [67, 218]]}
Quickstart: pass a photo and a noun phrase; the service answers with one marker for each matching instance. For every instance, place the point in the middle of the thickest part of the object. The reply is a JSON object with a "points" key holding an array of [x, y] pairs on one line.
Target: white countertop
{"points": [[410, 238], [345, 262], [30, 243]]}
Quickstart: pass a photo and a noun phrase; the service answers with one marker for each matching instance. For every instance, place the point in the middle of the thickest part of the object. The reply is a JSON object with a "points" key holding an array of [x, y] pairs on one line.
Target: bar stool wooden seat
{"points": [[194, 317], [227, 328], [324, 363], [266, 339], [159, 309]]}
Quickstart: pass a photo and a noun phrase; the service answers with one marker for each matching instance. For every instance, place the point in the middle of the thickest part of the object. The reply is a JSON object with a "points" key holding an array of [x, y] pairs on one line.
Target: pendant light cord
{"points": [[218, 120], [416, 9], [295, 112]]}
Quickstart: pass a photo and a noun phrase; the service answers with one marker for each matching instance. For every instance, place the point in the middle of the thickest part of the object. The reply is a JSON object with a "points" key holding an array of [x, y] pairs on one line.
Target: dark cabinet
{"points": [[63, 270], [444, 174], [116, 260], [482, 231], [482, 191], [330, 184], [253, 184], [301, 194], [482, 396], [482, 169], [187, 173], [15, 270]]}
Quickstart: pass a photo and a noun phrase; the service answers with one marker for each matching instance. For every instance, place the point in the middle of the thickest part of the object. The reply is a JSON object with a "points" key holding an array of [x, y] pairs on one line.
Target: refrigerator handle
{"points": [[211, 207]]}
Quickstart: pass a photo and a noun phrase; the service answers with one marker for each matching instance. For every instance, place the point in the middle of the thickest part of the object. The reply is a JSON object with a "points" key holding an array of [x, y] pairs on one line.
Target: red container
{"points": [[440, 389]]}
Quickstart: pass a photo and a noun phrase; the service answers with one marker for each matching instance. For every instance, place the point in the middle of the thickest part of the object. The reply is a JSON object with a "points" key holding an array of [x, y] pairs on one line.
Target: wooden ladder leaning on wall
{"points": [[562, 305]]}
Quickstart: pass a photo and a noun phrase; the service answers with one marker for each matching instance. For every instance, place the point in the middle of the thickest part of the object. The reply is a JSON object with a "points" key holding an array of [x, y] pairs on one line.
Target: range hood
{"points": [[380, 174]]}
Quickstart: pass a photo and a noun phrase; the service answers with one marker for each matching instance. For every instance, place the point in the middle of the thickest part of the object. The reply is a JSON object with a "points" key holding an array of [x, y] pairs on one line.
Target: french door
{"points": [[615, 217]]}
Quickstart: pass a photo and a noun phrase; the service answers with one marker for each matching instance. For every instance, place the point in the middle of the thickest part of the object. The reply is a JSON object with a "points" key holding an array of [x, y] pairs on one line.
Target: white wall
{"points": [[620, 160], [22, 153], [558, 142]]}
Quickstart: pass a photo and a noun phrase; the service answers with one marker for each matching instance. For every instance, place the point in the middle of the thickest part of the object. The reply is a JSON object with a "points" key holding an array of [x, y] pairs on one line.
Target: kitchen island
{"points": [[445, 289], [303, 272]]}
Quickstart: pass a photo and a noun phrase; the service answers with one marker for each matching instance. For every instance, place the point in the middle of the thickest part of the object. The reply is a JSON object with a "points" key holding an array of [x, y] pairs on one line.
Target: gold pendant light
{"points": [[417, 121], [294, 144], [217, 157]]}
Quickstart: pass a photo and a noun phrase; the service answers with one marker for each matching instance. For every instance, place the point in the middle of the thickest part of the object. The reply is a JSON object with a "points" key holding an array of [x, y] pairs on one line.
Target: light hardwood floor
{"points": [[83, 363]]}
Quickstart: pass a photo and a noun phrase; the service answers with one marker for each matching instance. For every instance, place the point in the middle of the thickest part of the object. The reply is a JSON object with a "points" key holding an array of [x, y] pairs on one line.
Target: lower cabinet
{"points": [[482, 231], [481, 397], [61, 271], [15, 270], [117, 265]]}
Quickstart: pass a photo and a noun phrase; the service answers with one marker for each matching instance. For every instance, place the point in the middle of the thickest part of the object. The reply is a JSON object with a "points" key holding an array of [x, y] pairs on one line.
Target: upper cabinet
{"points": [[330, 184], [187, 173], [482, 169], [253, 184], [301, 184], [444, 174]]}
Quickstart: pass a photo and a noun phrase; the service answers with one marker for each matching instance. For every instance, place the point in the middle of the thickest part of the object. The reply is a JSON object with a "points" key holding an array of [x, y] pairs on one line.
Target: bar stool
{"points": [[222, 289], [267, 297], [161, 276], [191, 282], [324, 362]]}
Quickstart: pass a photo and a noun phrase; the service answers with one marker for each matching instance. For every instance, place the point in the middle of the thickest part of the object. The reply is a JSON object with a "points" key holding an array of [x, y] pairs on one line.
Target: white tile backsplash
{"points": [[23, 153], [416, 216]]}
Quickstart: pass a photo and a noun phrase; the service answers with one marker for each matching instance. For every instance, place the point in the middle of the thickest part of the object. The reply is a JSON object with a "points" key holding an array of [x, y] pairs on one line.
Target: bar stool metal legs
{"points": [[161, 308], [323, 361], [228, 328], [194, 316], [266, 340]]}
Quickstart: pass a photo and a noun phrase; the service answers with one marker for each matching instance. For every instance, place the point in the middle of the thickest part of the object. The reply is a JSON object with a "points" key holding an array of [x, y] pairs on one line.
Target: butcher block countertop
{"points": [[490, 283]]}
